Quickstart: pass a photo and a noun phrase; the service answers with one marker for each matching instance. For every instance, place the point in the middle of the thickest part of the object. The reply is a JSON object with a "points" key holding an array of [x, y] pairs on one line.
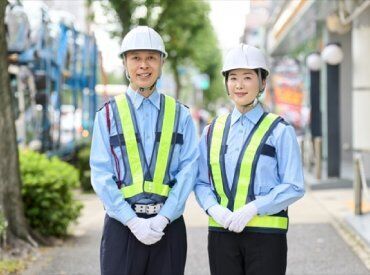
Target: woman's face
{"points": [[243, 86]]}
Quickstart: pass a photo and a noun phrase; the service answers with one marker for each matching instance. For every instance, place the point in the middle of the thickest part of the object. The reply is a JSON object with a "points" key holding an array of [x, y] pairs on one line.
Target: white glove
{"points": [[158, 223], [141, 229], [240, 218], [220, 214]]}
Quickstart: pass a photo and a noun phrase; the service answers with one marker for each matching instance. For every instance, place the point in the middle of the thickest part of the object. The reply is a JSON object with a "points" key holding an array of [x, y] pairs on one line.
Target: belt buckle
{"points": [[149, 209], [140, 208], [153, 208]]}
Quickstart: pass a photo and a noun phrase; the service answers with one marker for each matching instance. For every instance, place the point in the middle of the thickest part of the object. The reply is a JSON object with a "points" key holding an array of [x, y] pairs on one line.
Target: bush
{"points": [[10, 266], [47, 193], [83, 165]]}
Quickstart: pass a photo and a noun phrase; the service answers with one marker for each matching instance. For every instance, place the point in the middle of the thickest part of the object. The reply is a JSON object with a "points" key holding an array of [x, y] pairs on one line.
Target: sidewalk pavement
{"points": [[311, 236], [336, 196]]}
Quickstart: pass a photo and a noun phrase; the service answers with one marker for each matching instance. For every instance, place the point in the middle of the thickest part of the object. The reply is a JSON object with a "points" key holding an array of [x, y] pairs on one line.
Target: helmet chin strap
{"points": [[260, 81], [143, 89]]}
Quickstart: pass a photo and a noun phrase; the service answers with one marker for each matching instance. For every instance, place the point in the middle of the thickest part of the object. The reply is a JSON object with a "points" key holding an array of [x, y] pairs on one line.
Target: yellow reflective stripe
{"points": [[247, 161], [214, 156], [158, 186], [269, 222], [131, 148], [273, 222], [213, 223]]}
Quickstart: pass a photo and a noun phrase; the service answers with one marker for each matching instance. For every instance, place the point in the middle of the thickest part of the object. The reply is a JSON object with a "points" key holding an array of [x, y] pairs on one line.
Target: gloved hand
{"points": [[239, 219], [158, 223], [141, 229], [220, 214]]}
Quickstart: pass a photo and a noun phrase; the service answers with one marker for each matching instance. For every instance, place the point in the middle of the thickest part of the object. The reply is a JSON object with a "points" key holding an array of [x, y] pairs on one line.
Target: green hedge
{"points": [[47, 193], [83, 165]]}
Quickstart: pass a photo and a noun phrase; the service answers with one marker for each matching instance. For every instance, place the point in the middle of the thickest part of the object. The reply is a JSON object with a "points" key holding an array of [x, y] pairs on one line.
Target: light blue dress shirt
{"points": [[183, 165], [278, 181]]}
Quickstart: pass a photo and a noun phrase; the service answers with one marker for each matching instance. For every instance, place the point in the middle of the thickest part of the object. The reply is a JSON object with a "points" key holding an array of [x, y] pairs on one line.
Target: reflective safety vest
{"points": [[242, 190], [143, 180]]}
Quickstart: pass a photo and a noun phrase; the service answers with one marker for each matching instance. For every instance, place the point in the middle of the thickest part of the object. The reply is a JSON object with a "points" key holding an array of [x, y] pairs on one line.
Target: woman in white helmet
{"points": [[143, 167], [249, 173]]}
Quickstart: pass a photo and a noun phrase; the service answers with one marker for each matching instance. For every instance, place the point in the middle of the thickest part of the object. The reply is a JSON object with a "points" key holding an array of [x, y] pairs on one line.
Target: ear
{"points": [[124, 63], [264, 84]]}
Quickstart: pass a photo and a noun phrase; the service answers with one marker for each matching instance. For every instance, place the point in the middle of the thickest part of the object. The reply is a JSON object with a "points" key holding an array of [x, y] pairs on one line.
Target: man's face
{"points": [[143, 67]]}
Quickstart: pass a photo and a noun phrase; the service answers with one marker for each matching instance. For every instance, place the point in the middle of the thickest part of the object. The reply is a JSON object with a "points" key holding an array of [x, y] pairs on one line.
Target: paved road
{"points": [[314, 245]]}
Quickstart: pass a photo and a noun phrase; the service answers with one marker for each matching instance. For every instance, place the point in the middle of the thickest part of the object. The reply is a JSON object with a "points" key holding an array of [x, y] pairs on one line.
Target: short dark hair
{"points": [[264, 73]]}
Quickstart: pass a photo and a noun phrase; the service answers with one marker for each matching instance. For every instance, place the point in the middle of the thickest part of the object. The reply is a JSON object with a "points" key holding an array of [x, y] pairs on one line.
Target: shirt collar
{"points": [[253, 115], [137, 99]]}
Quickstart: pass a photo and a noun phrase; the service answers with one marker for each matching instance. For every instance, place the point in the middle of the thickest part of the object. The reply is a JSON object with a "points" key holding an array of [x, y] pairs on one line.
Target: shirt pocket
{"points": [[266, 174]]}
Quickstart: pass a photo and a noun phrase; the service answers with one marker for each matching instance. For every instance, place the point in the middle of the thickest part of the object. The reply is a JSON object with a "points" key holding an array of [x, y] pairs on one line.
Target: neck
{"points": [[145, 93], [246, 108]]}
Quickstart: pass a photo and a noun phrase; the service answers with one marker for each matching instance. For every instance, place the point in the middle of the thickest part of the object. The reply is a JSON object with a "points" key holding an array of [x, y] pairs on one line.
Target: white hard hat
{"points": [[142, 38], [245, 57]]}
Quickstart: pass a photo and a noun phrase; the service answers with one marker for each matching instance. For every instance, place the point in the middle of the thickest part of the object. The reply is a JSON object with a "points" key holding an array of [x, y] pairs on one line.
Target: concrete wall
{"points": [[345, 94], [361, 85]]}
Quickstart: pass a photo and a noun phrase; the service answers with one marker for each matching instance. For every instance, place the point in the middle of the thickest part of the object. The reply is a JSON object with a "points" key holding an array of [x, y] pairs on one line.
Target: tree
{"points": [[179, 23], [208, 60], [11, 205]]}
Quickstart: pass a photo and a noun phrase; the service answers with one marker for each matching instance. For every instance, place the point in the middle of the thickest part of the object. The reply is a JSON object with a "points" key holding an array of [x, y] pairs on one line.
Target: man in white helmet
{"points": [[143, 166], [250, 171]]}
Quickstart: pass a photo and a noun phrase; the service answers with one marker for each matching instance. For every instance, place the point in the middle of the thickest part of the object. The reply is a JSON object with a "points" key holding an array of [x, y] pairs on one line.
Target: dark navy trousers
{"points": [[122, 254], [247, 253]]}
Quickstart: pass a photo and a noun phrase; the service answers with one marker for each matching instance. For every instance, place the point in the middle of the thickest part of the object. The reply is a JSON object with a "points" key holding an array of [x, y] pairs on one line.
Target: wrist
{"points": [[213, 209], [163, 219], [252, 208], [132, 222]]}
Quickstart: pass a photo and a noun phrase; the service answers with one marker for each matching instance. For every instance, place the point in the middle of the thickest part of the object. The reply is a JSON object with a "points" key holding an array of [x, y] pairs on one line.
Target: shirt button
{"points": [[240, 131]]}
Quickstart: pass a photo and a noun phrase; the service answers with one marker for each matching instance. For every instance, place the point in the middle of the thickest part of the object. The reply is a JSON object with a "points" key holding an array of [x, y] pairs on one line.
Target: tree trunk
{"points": [[11, 204], [177, 78]]}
